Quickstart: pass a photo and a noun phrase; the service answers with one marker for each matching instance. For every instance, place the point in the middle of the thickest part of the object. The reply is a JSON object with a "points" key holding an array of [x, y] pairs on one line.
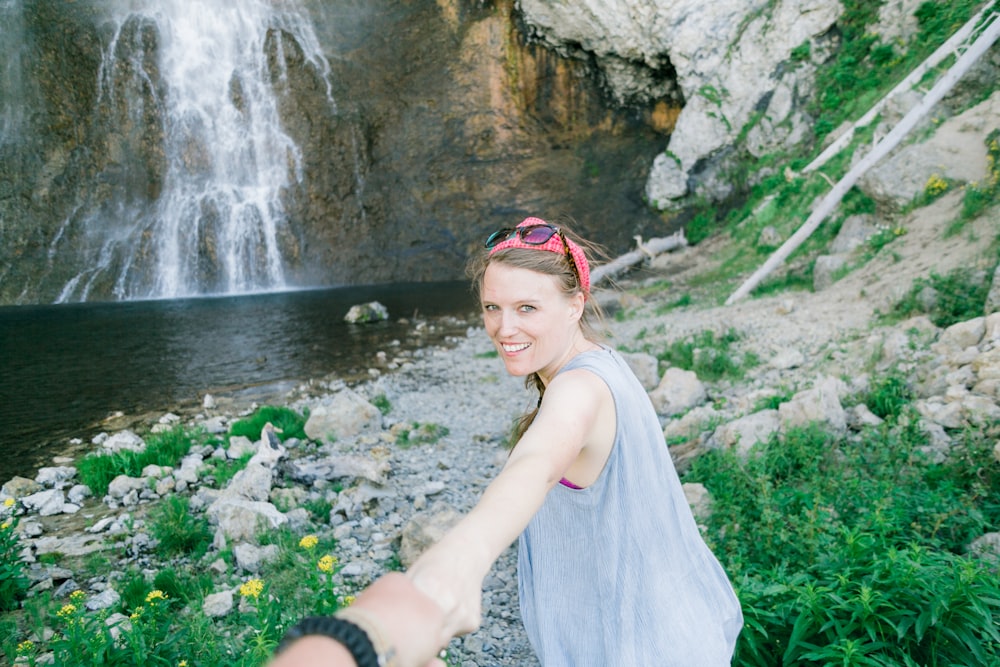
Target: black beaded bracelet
{"points": [[353, 638]]}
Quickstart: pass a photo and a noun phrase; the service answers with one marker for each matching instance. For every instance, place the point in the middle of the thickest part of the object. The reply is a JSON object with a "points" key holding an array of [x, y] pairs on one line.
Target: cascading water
{"points": [[200, 160]]}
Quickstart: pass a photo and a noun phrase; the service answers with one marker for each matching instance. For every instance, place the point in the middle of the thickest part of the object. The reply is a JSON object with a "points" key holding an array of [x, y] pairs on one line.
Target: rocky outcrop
{"points": [[729, 61]]}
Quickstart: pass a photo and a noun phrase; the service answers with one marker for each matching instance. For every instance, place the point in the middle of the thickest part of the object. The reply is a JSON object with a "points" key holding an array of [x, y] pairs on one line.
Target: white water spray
{"points": [[214, 81]]}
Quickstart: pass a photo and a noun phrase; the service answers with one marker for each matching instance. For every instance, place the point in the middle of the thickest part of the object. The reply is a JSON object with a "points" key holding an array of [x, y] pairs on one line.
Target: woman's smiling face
{"points": [[532, 323]]}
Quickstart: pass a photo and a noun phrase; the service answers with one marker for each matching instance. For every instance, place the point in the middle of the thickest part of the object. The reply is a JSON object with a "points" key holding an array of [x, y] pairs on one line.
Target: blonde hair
{"points": [[559, 266]]}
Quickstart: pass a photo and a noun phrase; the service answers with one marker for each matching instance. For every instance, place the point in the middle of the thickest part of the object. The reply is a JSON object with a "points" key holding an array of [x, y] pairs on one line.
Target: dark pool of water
{"points": [[65, 368]]}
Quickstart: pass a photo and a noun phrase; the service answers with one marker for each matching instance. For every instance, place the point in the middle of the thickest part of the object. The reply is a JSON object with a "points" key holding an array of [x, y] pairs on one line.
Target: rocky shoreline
{"points": [[399, 455]]}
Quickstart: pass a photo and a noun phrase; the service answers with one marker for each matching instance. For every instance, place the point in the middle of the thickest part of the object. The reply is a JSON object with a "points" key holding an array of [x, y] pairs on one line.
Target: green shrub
{"points": [[849, 551], [290, 423], [13, 582], [710, 356], [957, 297], [382, 403], [888, 396], [178, 529]]}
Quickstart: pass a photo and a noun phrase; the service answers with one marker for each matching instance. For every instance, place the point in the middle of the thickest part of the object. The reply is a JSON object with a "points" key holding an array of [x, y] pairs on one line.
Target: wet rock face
{"points": [[429, 125]]}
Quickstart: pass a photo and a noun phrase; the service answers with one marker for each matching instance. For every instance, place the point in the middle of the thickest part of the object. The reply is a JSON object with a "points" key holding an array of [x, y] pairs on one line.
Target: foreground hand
{"points": [[410, 620]]}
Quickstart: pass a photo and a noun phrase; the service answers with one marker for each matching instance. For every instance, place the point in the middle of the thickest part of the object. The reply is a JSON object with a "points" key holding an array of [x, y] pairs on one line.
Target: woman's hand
{"points": [[451, 573]]}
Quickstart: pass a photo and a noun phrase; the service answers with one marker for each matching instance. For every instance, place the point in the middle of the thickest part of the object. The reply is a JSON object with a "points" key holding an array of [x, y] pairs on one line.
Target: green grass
{"points": [[946, 299], [711, 356], [163, 449], [290, 423], [179, 530]]}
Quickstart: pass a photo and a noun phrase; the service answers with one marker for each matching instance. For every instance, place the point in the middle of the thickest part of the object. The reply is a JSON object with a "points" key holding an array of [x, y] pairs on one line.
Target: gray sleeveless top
{"points": [[617, 573]]}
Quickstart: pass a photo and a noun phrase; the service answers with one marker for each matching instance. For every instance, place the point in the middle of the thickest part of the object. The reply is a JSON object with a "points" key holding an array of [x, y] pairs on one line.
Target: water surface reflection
{"points": [[64, 368]]}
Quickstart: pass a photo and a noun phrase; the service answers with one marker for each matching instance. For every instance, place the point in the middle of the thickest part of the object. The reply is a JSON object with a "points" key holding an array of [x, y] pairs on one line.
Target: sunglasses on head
{"points": [[534, 235], [529, 234]]}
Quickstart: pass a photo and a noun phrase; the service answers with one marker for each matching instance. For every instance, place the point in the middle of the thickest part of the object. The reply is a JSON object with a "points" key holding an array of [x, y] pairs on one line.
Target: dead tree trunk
{"points": [[881, 149], [646, 250]]}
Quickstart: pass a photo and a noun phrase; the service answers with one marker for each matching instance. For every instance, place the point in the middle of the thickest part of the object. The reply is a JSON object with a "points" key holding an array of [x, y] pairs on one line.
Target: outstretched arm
{"points": [[452, 571]]}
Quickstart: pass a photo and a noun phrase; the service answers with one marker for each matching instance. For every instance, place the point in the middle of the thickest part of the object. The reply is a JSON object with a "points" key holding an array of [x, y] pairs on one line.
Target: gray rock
{"points": [[425, 529], [364, 313], [745, 432], [679, 390], [218, 604], [818, 404], [123, 441], [251, 557], [55, 477], [45, 503], [345, 415], [104, 600]]}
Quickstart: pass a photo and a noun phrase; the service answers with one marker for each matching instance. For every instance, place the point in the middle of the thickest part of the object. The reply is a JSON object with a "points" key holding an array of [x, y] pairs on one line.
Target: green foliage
{"points": [[418, 433], [382, 403], [702, 225], [954, 297], [977, 197], [182, 585], [681, 301], [178, 529], [151, 636], [222, 471], [710, 356], [847, 551], [288, 422], [134, 589], [319, 509], [888, 396], [163, 449], [13, 582]]}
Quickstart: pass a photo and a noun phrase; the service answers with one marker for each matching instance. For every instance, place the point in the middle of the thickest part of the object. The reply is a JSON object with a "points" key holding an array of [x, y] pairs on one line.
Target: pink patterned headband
{"points": [[536, 234]]}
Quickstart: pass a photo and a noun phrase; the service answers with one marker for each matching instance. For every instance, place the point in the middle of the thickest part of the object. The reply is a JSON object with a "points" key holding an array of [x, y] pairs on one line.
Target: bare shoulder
{"points": [[578, 389]]}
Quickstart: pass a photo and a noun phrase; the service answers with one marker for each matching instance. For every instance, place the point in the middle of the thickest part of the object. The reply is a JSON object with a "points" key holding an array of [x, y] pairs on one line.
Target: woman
{"points": [[612, 569]]}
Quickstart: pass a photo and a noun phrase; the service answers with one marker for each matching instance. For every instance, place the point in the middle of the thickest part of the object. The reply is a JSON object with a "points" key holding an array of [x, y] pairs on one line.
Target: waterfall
{"points": [[192, 90]]}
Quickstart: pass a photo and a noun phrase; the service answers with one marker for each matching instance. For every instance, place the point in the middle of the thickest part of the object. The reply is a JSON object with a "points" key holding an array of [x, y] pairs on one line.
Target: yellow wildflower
{"points": [[77, 596], [5, 525], [309, 541], [252, 588], [349, 600], [66, 611], [25, 647], [182, 663], [155, 596], [136, 613], [935, 185], [9, 502], [326, 563]]}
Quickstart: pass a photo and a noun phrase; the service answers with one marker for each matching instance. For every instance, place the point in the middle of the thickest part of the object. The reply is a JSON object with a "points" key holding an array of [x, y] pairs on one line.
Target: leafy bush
{"points": [[848, 551], [888, 396], [290, 423], [13, 582], [946, 300]]}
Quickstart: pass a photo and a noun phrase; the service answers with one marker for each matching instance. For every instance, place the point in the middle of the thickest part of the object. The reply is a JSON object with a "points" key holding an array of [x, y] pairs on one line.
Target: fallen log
{"points": [[952, 46], [880, 150], [646, 250]]}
